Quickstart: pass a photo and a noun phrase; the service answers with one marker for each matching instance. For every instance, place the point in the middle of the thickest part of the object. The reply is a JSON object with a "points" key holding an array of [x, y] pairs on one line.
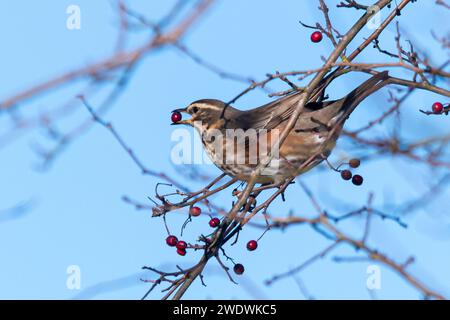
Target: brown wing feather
{"points": [[269, 115], [315, 114]]}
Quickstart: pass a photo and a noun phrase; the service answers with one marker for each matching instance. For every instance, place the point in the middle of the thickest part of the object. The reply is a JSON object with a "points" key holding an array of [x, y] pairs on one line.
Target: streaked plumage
{"points": [[308, 137]]}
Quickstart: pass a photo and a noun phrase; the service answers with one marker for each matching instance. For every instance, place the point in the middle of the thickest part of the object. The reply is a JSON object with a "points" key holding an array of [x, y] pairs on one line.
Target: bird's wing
{"points": [[269, 115], [273, 114], [318, 116], [315, 114]]}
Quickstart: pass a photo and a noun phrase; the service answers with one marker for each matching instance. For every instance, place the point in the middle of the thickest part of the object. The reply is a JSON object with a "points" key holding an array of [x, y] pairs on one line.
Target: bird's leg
{"points": [[251, 203], [283, 198], [236, 191], [282, 192]]}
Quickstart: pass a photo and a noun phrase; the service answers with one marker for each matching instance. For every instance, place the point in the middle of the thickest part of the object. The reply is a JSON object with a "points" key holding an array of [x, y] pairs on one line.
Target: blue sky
{"points": [[75, 215]]}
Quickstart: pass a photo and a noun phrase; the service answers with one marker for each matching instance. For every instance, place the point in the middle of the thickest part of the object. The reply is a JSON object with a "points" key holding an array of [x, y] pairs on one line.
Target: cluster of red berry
{"points": [[357, 180], [181, 245]]}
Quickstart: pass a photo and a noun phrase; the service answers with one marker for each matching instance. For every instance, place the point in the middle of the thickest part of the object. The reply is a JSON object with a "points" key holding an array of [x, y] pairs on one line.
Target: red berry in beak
{"points": [[316, 36], [437, 108], [171, 241], [176, 117]]}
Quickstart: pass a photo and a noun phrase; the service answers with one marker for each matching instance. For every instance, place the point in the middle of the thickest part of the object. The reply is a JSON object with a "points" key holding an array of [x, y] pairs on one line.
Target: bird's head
{"points": [[205, 114]]}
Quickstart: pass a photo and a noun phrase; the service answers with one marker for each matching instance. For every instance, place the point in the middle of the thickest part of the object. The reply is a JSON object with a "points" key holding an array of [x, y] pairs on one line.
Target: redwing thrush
{"points": [[235, 140]]}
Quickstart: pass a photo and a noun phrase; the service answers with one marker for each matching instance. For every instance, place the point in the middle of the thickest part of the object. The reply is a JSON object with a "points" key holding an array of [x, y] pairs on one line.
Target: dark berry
{"points": [[172, 241], [176, 117], [181, 245], [181, 252], [354, 163], [357, 180], [437, 108], [316, 36], [252, 245], [214, 222], [346, 174], [195, 211], [238, 268]]}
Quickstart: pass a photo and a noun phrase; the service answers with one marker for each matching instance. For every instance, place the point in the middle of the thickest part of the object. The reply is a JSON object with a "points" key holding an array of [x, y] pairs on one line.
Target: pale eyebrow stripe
{"points": [[208, 106]]}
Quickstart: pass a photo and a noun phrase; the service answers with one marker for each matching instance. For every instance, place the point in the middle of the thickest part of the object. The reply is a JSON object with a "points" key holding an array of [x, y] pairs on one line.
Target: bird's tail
{"points": [[354, 98]]}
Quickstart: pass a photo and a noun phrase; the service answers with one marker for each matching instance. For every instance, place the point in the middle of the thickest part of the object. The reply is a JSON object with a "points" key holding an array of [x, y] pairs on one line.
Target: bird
{"points": [[237, 141]]}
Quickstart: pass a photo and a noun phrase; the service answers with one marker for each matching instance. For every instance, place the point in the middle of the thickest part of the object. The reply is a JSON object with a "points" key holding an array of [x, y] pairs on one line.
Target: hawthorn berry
{"points": [[181, 252], [195, 211], [214, 222], [176, 117], [171, 241], [238, 268], [437, 107], [316, 36], [346, 174], [354, 163], [252, 245], [357, 180], [181, 245]]}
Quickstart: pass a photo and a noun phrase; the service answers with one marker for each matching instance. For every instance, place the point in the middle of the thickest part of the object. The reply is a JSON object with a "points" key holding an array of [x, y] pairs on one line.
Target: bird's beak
{"points": [[187, 121], [180, 110]]}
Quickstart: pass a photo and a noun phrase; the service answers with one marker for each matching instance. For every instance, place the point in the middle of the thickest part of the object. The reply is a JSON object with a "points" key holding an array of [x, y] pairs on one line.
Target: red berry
{"points": [[176, 117], [214, 222], [437, 108], [181, 252], [357, 180], [195, 211], [346, 174], [181, 245], [354, 163], [316, 36], [252, 245], [172, 241], [238, 268]]}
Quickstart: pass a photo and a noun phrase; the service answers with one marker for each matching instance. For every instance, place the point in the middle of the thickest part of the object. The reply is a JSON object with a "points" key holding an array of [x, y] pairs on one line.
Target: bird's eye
{"points": [[194, 109]]}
